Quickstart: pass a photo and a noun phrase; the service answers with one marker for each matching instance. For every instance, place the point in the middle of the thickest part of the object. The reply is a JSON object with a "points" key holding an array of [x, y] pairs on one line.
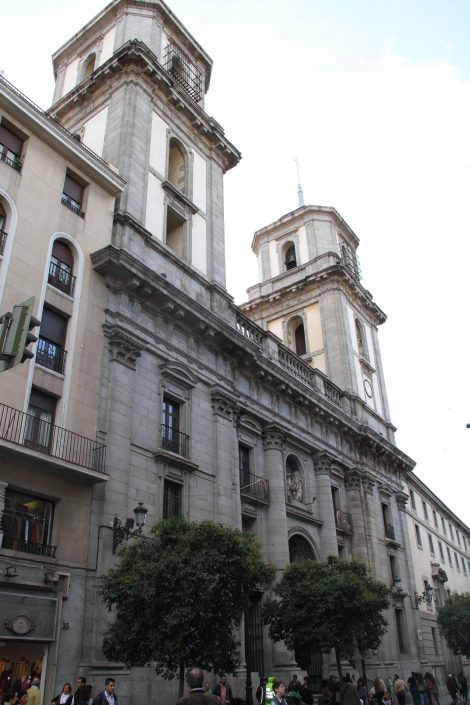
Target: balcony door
{"points": [[39, 421]]}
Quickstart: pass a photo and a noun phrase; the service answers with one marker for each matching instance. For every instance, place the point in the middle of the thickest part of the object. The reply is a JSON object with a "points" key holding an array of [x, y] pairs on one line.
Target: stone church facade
{"points": [[271, 417]]}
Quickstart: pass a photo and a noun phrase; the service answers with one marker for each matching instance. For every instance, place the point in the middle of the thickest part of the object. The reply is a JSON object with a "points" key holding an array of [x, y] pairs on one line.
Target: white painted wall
{"points": [[273, 261], [70, 78], [107, 46], [199, 244], [199, 181], [302, 254], [155, 207], [158, 144], [276, 327], [94, 131]]}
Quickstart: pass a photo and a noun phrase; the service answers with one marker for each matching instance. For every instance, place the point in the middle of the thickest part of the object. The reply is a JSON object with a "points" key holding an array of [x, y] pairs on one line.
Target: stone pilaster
{"points": [[278, 547], [406, 573], [225, 449], [353, 484], [329, 540]]}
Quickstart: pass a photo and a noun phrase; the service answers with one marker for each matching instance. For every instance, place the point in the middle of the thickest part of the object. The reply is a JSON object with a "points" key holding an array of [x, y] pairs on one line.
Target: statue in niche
{"points": [[295, 486]]}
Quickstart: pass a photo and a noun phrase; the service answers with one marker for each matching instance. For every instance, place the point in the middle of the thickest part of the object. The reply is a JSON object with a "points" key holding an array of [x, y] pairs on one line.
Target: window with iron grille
{"points": [[11, 145], [172, 499], [72, 193], [27, 523], [50, 350], [61, 268], [39, 420]]}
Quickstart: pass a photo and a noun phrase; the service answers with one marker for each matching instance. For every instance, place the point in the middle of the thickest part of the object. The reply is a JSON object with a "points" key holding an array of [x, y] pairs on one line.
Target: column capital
{"points": [[322, 462], [353, 479], [224, 404], [401, 499], [273, 438], [122, 347]]}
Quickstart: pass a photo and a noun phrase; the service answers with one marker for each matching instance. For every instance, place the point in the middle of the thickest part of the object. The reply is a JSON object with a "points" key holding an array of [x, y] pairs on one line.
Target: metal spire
{"points": [[300, 193]]}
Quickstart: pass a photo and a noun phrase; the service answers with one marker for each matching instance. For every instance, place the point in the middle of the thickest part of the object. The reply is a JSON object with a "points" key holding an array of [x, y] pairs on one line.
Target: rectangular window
{"points": [[172, 499], [244, 466], [418, 536], [38, 430], [434, 516], [458, 537], [11, 145], [388, 527], [444, 526], [176, 232], [336, 502], [50, 350], [435, 641], [401, 633], [431, 544], [412, 500], [441, 551], [172, 437], [464, 543], [27, 523], [451, 529], [464, 567], [457, 564], [72, 194], [425, 510], [449, 557], [393, 569]]}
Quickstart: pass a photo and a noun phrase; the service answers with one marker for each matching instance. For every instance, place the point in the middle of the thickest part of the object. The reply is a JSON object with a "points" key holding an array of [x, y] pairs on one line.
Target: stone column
{"points": [[225, 449], [353, 484], [329, 539], [3, 487], [370, 524], [406, 573]]}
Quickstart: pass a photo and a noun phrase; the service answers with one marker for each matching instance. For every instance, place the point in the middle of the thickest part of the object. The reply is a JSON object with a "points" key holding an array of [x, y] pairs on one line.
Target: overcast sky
{"points": [[373, 98]]}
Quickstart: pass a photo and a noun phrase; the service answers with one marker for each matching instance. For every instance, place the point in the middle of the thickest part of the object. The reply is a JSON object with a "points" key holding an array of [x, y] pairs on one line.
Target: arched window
{"points": [[290, 260], [89, 66], [3, 228], [300, 346], [296, 335], [61, 268], [361, 339], [300, 549], [294, 479], [176, 166]]}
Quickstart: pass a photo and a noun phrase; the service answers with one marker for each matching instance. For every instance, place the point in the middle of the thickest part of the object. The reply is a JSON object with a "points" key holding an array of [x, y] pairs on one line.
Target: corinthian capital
{"points": [[322, 463], [273, 438]]}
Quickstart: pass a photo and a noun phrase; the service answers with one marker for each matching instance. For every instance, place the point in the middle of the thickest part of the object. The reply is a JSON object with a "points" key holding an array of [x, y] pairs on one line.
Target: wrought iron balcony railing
{"points": [[175, 441], [254, 486], [349, 260], [189, 78], [40, 549], [50, 355], [32, 432], [14, 162], [72, 204], [343, 521], [3, 239], [60, 277], [389, 532]]}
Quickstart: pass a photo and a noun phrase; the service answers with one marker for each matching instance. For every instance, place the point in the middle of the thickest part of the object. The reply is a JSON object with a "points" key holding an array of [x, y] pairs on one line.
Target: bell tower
{"points": [[310, 295]]}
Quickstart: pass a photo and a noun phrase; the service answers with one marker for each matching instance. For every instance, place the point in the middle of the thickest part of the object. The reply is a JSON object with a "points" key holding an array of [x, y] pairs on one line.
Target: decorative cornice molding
{"points": [[122, 347], [224, 404]]}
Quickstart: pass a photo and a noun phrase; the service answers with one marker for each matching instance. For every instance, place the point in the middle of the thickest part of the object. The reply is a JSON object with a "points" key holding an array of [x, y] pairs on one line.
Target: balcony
{"points": [[3, 239], [349, 260], [38, 549], [50, 355], [343, 521], [254, 487], [39, 436], [175, 441], [10, 159], [183, 73], [59, 276], [73, 205]]}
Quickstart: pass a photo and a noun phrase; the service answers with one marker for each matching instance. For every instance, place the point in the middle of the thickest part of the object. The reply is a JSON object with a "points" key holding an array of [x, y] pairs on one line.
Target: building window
{"points": [[412, 500], [177, 166], [300, 346], [388, 527], [425, 511], [39, 421], [457, 565], [431, 544], [172, 499], [464, 567], [361, 339], [296, 335], [50, 350], [244, 465], [290, 259], [464, 542], [458, 537], [175, 232], [401, 633], [441, 551], [173, 439], [434, 516], [11, 145], [61, 267], [27, 523], [393, 568], [435, 641], [449, 556], [451, 529], [444, 526], [88, 66], [73, 192], [418, 536]]}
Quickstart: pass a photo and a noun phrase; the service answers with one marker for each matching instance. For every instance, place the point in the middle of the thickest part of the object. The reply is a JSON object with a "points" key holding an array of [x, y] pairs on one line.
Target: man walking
{"points": [[107, 696], [224, 691], [34, 696], [197, 695], [79, 683]]}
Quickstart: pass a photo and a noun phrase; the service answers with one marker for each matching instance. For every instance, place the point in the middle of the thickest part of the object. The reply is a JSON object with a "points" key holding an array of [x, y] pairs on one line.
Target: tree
{"points": [[454, 621], [331, 605], [178, 598]]}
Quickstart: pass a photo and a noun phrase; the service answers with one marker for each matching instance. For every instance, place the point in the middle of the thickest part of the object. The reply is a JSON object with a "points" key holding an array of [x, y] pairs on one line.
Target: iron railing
{"points": [[3, 239], [50, 355], [183, 73], [343, 521], [175, 441], [254, 486], [15, 163], [32, 432], [60, 277], [40, 549], [74, 206], [350, 260], [389, 532]]}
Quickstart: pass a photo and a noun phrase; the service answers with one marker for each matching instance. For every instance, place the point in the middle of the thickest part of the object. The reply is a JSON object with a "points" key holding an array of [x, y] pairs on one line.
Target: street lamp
{"points": [[124, 533]]}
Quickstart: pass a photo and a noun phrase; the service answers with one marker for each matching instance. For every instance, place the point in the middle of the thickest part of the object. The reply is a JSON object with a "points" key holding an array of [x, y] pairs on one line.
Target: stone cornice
{"points": [[143, 61]]}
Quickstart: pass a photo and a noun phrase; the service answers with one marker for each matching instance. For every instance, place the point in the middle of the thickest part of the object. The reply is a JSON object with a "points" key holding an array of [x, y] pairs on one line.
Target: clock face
{"points": [[20, 624], [368, 388]]}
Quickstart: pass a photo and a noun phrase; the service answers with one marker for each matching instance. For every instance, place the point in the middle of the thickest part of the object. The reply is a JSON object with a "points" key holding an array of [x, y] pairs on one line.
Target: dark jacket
{"points": [[67, 702], [217, 690], [101, 699], [199, 697]]}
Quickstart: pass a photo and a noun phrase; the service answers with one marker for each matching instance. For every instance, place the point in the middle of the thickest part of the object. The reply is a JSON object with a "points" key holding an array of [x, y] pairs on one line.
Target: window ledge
{"points": [[175, 459], [179, 196]]}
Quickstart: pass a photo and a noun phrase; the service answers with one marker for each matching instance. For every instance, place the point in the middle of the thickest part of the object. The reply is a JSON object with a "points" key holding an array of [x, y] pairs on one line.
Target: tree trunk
{"points": [[181, 681], [338, 666]]}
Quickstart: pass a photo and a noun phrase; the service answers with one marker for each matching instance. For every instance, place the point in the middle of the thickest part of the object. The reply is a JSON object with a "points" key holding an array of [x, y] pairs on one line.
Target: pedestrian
{"points": [[431, 687], [306, 691], [422, 692], [362, 691], [463, 686], [34, 696], [84, 695], [453, 688], [224, 691], [207, 688], [80, 681], [294, 683], [18, 698], [399, 689], [348, 692], [107, 696], [197, 694], [261, 691], [326, 694], [65, 697], [279, 688]]}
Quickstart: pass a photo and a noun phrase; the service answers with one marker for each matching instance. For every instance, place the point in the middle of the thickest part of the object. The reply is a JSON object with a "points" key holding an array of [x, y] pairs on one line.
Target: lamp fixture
{"points": [[425, 596], [125, 532]]}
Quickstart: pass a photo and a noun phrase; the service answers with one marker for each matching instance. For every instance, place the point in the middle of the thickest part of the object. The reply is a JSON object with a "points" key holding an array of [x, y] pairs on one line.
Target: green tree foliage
{"points": [[331, 605], [177, 599], [454, 621]]}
